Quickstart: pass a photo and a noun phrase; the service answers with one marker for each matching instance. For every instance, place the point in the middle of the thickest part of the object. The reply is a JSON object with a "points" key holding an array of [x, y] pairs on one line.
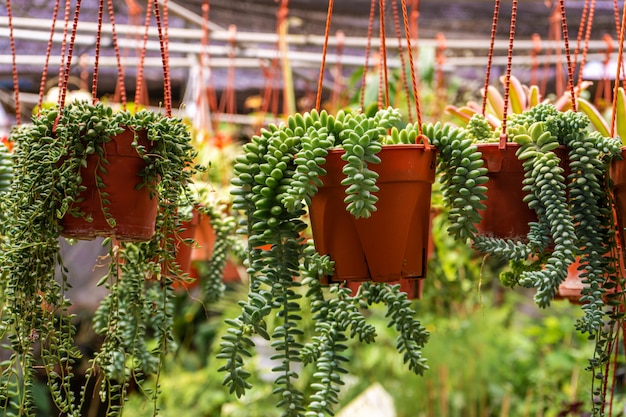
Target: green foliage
{"points": [[479, 130], [275, 177], [49, 154], [462, 177], [6, 168], [574, 211]]}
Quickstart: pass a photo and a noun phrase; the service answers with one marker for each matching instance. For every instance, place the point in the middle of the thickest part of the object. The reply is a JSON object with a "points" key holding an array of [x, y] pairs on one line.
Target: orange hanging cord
{"points": [[405, 84], [414, 78], [368, 46], [44, 73], [320, 82], [618, 75], [617, 34], [494, 26], [383, 79], [140, 84]]}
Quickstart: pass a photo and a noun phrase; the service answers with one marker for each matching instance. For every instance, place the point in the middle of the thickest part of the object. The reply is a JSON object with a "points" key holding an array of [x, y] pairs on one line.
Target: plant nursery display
{"points": [[325, 215]]}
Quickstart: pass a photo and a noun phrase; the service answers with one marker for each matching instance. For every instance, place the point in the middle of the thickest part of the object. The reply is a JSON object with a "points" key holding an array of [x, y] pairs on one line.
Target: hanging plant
{"points": [[47, 184], [279, 173], [572, 202]]}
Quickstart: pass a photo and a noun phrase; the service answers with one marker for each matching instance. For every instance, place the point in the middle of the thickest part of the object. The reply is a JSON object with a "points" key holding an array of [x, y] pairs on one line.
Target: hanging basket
{"points": [[507, 216], [391, 244], [131, 214]]}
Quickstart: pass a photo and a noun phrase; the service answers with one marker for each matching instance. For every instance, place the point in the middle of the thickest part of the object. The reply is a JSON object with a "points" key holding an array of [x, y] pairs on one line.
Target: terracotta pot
{"points": [[618, 176], [133, 209], [189, 230], [205, 239], [571, 289], [507, 215], [391, 244]]}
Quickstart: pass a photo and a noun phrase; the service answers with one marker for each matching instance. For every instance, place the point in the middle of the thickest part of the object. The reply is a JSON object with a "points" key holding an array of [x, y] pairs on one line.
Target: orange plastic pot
{"points": [[618, 177], [133, 209], [507, 215], [184, 250], [390, 245], [205, 239], [571, 288]]}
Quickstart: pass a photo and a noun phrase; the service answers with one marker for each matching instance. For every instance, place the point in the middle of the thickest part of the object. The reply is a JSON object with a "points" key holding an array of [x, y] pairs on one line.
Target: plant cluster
{"points": [[572, 201], [275, 177], [35, 317]]}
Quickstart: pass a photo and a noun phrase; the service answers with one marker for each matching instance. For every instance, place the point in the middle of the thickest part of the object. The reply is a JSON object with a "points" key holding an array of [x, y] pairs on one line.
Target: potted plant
{"points": [[48, 183], [570, 197], [281, 171], [204, 242]]}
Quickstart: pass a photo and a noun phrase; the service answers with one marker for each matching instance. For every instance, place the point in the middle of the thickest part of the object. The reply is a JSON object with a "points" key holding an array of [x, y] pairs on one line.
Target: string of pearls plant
{"points": [[35, 317]]}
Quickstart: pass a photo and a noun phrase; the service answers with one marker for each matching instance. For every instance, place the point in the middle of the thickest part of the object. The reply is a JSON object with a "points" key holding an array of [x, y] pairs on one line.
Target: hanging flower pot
{"points": [[112, 202], [184, 249], [618, 178], [392, 243], [506, 214], [205, 239]]}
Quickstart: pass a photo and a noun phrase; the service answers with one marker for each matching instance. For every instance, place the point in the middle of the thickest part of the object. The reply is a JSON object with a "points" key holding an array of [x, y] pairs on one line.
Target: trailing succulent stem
{"points": [[463, 177], [275, 178], [48, 157]]}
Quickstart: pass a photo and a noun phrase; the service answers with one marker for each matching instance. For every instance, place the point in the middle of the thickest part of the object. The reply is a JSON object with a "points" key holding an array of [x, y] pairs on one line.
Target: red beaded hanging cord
{"points": [[164, 47], [44, 73], [64, 72], [509, 64], [494, 27], [586, 23], [140, 84], [16, 87]]}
